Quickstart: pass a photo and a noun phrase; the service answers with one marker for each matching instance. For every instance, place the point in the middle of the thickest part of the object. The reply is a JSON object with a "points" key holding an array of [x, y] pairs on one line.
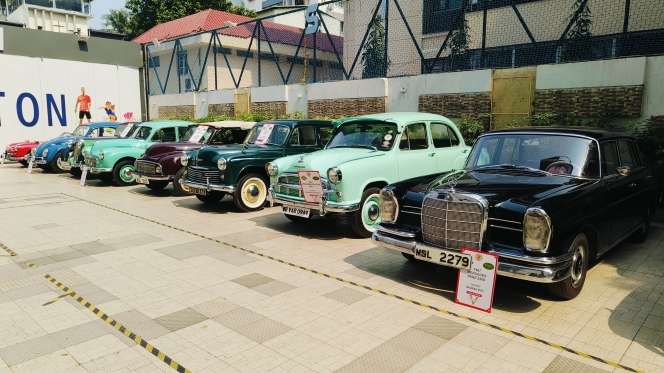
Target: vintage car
{"points": [[20, 151], [47, 155], [365, 154], [547, 201], [73, 160], [161, 162], [239, 170], [113, 161]]}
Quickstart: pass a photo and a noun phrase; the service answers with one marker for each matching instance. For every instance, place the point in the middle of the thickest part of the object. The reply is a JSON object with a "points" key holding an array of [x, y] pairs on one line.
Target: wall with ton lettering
{"points": [[38, 96]]}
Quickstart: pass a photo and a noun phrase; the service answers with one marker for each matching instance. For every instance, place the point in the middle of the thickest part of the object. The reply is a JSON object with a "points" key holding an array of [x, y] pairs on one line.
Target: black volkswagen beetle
{"points": [[545, 200]]}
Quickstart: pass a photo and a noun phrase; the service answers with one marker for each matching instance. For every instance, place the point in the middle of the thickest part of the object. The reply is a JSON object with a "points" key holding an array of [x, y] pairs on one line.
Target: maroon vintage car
{"points": [[20, 151], [161, 162]]}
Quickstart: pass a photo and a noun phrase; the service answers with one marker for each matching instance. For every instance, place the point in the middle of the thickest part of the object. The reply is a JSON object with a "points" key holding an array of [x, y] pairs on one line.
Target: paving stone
{"points": [[180, 319], [273, 288], [238, 317], [67, 256], [140, 324], [68, 277], [358, 272], [45, 226], [346, 295], [79, 334], [179, 252], [28, 350], [26, 292], [215, 307], [561, 364], [262, 330], [441, 327], [249, 237], [233, 257], [86, 245], [252, 280]]}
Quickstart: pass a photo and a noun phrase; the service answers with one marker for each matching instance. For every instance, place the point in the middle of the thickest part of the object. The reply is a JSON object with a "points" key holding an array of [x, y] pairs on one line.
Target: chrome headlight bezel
{"points": [[158, 169], [222, 164], [184, 160], [542, 240], [334, 175], [272, 169], [15, 148], [45, 153], [389, 206], [101, 155], [70, 143], [141, 156]]}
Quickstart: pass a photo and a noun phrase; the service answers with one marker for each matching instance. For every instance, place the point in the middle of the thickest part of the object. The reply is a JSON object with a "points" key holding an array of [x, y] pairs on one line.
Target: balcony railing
{"points": [[80, 6]]}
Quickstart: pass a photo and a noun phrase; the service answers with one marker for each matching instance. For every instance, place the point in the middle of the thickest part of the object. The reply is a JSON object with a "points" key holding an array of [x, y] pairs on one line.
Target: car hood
{"points": [[210, 154], [24, 144], [158, 151], [322, 160], [119, 143], [55, 142]]}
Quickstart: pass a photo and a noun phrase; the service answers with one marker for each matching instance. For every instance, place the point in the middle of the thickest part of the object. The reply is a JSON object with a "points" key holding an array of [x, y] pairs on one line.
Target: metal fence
{"points": [[387, 38]]}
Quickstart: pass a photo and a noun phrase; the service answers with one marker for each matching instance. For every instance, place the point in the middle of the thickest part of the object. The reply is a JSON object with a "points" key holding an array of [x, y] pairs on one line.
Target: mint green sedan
{"points": [[363, 155], [113, 160]]}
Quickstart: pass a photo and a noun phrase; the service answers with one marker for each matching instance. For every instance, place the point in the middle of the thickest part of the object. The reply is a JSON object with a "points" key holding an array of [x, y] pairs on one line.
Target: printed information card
{"points": [[475, 286]]}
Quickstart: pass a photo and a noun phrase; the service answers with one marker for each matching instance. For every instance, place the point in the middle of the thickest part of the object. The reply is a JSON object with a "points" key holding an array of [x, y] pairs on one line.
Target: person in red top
{"points": [[83, 103]]}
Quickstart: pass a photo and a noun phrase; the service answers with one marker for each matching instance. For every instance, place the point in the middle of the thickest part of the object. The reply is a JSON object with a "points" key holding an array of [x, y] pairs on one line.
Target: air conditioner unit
{"points": [[188, 86]]}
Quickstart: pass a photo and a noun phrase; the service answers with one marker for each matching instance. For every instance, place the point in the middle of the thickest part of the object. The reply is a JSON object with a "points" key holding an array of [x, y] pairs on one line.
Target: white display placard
{"points": [[2, 160], [84, 175], [126, 130], [266, 131], [312, 188], [200, 131], [475, 286], [30, 167]]}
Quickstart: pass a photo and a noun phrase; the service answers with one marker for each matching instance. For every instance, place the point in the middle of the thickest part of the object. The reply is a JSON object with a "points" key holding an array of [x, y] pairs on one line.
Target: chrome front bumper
{"points": [[152, 176], [65, 165], [323, 207], [95, 170], [523, 267], [39, 160], [230, 189]]}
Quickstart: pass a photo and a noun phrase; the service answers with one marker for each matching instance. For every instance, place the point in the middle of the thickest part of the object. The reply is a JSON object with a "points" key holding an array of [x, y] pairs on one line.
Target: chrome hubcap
{"points": [[253, 191], [577, 265], [373, 212]]}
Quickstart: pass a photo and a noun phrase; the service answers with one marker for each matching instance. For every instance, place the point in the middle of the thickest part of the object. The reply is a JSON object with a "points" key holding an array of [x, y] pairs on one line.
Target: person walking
{"points": [[83, 103]]}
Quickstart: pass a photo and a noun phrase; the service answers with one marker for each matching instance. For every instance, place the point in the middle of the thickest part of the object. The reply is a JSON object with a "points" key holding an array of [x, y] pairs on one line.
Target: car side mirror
{"points": [[623, 171]]}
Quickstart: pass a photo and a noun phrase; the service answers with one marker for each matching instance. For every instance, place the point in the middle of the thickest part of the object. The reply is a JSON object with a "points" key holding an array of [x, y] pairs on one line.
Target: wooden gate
{"points": [[512, 94], [242, 101]]}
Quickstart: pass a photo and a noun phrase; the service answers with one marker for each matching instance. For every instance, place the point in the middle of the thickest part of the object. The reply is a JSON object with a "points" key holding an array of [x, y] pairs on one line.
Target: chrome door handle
{"points": [[631, 185], [464, 151], [432, 154], [649, 177]]}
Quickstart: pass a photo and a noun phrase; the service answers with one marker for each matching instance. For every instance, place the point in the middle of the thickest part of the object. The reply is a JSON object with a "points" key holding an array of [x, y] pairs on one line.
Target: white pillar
{"points": [[67, 23]]}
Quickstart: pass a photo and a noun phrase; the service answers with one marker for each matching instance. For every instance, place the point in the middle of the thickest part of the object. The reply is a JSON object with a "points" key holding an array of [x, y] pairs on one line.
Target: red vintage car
{"points": [[20, 151]]}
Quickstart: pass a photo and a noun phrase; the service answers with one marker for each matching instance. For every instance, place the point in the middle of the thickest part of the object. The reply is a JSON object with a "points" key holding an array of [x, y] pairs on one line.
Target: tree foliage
{"points": [[459, 59], [116, 20], [578, 45], [373, 56], [145, 14]]}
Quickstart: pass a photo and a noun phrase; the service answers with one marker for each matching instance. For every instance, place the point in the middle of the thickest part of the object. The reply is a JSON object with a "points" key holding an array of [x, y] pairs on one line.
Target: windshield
{"points": [[379, 136], [81, 131], [142, 133], [277, 136], [192, 129], [556, 154]]}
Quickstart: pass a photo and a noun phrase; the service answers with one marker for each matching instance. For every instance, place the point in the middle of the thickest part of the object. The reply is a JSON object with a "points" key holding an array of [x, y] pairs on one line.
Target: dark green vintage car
{"points": [[239, 170]]}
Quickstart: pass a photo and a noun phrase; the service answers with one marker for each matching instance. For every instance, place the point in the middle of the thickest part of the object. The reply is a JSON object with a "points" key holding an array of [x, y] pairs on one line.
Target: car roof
{"points": [[399, 118], [166, 123], [294, 122], [103, 124], [231, 124], [592, 132]]}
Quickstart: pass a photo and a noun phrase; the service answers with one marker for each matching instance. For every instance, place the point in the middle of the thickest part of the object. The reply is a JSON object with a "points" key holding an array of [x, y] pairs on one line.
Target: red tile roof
{"points": [[213, 19]]}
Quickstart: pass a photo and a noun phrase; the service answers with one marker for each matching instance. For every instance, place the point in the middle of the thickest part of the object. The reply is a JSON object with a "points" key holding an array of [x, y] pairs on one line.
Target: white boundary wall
{"points": [[33, 88]]}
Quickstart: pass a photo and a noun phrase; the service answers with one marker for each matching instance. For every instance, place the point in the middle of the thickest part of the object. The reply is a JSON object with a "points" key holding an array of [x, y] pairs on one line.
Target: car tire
{"points": [[251, 193], [55, 167], [570, 287], [122, 173], [157, 184], [23, 163], [105, 177], [367, 217], [212, 197], [45, 167], [408, 256], [641, 234], [179, 189]]}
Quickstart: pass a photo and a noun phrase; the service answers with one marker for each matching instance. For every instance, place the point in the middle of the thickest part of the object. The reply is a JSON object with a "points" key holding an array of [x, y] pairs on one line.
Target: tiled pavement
{"points": [[213, 308]]}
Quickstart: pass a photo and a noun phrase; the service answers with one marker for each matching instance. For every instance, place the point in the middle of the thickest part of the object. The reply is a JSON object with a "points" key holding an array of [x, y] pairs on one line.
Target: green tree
{"points": [[459, 42], [578, 45], [373, 57], [116, 20], [145, 14]]}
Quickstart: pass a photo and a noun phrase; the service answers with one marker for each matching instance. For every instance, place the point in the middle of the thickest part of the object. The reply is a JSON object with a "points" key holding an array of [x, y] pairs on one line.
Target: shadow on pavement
{"points": [[192, 203], [320, 228]]}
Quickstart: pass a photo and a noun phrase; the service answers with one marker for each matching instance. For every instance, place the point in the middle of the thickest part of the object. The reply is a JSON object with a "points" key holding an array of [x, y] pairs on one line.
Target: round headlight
{"points": [[70, 143], [158, 169], [536, 230], [272, 169], [184, 160], [16, 148], [334, 175], [221, 163], [101, 154], [33, 151], [45, 153]]}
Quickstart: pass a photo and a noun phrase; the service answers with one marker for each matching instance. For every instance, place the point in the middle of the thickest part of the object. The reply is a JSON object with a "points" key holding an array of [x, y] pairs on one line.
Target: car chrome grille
{"points": [[77, 150], [292, 181], [453, 221], [146, 168], [202, 175], [90, 162]]}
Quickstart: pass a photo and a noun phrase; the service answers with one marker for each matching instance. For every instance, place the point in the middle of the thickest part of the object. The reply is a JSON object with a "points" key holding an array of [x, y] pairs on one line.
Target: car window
{"points": [[443, 136], [303, 136], [373, 135], [277, 136], [325, 134], [142, 133], [625, 153], [81, 130], [414, 137], [164, 135], [182, 131], [224, 136], [107, 132], [610, 158]]}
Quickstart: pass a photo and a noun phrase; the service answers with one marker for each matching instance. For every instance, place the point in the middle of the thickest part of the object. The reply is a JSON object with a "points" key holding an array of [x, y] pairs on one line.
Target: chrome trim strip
{"points": [[395, 232], [506, 221], [531, 259], [151, 177], [219, 188], [100, 170], [322, 208], [508, 228], [411, 212]]}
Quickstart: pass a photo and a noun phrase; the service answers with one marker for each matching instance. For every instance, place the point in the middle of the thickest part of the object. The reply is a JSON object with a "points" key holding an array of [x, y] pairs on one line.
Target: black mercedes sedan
{"points": [[546, 200]]}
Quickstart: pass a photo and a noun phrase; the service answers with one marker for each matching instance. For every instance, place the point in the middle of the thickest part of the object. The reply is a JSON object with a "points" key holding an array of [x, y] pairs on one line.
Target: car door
{"points": [[167, 134], [446, 145], [415, 156], [303, 139], [637, 185], [619, 193]]}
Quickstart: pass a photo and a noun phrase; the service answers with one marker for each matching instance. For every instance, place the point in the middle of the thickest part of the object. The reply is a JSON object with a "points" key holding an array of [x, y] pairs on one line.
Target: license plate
{"points": [[143, 180], [295, 211], [443, 257], [200, 192]]}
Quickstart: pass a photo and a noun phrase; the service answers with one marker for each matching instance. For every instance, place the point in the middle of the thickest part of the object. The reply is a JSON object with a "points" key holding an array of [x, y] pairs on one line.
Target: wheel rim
{"points": [[371, 213], [254, 192], [578, 261], [126, 174]]}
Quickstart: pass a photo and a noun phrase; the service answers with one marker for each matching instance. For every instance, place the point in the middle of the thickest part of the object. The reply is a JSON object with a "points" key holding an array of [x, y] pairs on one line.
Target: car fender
{"points": [[53, 150], [359, 174], [113, 156]]}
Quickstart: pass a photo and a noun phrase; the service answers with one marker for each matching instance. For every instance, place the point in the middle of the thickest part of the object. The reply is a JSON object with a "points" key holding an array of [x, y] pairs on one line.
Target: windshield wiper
{"points": [[509, 167]]}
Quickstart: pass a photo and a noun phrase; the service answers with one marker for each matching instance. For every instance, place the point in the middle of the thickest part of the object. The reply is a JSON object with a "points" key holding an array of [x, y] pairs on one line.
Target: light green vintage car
{"points": [[113, 160], [363, 155]]}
